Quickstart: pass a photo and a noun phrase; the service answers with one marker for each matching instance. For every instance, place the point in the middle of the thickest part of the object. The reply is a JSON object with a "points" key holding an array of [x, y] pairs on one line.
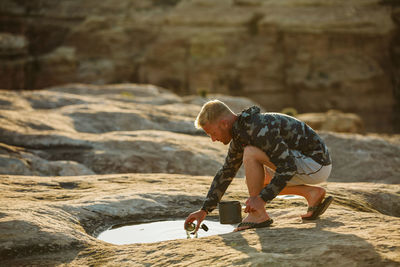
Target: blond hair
{"points": [[211, 112]]}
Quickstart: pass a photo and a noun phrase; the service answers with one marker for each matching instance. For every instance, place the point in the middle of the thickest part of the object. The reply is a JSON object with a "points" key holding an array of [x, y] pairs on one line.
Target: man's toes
{"points": [[237, 229]]}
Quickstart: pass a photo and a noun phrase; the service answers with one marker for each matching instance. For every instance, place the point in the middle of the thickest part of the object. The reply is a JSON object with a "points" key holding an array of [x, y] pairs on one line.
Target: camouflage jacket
{"points": [[275, 134]]}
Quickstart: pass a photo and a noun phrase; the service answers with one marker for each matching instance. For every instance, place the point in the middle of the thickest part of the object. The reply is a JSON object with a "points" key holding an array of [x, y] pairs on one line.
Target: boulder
{"points": [[20, 161], [333, 121]]}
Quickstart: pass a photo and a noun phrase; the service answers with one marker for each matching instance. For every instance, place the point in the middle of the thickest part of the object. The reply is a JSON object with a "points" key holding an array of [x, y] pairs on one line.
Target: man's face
{"points": [[218, 131]]}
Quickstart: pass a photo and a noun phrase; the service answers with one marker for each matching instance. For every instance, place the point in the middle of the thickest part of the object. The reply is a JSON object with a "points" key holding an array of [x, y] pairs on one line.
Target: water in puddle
{"points": [[163, 230], [158, 231]]}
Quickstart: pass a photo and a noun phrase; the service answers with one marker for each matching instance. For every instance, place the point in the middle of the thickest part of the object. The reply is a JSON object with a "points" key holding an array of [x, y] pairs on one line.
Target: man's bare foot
{"points": [[316, 196], [254, 217]]}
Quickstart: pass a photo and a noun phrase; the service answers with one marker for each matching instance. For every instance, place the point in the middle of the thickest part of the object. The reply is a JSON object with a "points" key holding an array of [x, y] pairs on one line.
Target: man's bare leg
{"points": [[254, 160], [313, 194], [254, 171]]}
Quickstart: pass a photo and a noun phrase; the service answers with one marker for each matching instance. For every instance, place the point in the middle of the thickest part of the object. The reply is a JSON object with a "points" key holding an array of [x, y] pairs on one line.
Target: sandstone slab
{"points": [[54, 221]]}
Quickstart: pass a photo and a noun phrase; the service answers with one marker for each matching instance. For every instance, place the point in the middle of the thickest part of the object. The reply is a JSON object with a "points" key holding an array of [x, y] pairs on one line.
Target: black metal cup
{"points": [[230, 212]]}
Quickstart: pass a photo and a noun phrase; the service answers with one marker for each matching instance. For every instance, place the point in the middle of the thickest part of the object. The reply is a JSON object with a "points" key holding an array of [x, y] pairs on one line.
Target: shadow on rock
{"points": [[24, 243], [291, 246]]}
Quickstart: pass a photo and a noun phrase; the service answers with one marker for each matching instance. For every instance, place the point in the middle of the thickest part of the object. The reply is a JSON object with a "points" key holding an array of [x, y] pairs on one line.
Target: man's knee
{"points": [[254, 153], [250, 153]]}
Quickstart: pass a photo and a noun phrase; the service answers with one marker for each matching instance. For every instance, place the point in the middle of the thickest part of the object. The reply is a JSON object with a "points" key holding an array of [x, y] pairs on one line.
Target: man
{"points": [[280, 154]]}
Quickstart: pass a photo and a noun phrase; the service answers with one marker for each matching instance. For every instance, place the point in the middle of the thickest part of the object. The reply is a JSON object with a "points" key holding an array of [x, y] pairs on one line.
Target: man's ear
{"points": [[224, 123]]}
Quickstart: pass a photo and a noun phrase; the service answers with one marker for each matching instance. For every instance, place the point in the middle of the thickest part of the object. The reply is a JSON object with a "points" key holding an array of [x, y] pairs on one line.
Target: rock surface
{"points": [[313, 55], [53, 220], [86, 129], [334, 121], [77, 159]]}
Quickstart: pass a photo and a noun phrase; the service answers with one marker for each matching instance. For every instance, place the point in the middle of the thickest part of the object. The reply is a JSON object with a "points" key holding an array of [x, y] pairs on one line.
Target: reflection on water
{"points": [[158, 231]]}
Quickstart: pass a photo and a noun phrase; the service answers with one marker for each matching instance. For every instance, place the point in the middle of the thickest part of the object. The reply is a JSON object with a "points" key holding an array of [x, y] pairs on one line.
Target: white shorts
{"points": [[308, 171]]}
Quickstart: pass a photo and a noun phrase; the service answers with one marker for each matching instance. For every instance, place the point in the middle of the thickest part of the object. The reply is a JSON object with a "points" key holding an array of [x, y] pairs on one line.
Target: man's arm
{"points": [[224, 176]]}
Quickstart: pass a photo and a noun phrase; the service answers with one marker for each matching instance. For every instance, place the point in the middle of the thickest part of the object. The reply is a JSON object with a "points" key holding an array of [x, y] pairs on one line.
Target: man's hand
{"points": [[198, 216], [254, 203]]}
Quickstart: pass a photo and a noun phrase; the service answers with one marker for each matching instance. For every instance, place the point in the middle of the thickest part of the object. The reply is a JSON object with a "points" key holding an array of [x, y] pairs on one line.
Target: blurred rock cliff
{"points": [[311, 55]]}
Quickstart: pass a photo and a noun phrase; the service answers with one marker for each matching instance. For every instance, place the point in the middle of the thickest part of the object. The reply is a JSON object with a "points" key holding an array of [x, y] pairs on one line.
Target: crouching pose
{"points": [[280, 154]]}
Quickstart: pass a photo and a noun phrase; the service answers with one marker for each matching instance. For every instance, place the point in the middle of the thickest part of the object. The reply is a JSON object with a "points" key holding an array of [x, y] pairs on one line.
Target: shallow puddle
{"points": [[158, 231], [163, 230]]}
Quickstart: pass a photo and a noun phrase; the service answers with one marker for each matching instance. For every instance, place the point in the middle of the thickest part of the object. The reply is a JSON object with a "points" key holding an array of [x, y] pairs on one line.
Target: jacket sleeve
{"points": [[224, 176], [285, 170]]}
